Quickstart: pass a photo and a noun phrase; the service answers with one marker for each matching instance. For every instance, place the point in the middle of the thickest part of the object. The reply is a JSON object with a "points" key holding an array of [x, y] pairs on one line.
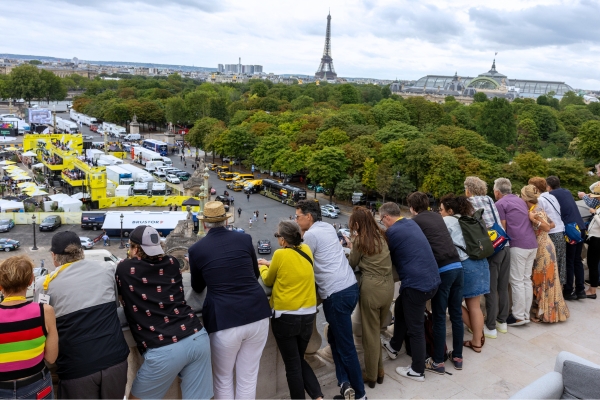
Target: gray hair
{"points": [[503, 185], [217, 224], [72, 253], [390, 209], [476, 186], [290, 232]]}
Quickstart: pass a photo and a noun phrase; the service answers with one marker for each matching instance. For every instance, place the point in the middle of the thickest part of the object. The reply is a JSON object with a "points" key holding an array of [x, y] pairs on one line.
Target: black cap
{"points": [[62, 240], [147, 237]]}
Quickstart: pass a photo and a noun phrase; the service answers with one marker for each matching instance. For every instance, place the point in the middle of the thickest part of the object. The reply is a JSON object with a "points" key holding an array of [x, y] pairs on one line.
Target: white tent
{"points": [[70, 205], [29, 154], [11, 206], [37, 166]]}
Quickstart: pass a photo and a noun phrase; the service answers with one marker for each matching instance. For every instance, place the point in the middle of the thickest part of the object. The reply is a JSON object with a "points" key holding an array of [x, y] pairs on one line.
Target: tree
{"points": [[528, 138], [25, 83], [202, 129], [197, 104], [386, 92], [389, 110], [332, 137], [401, 187], [302, 102], [345, 188], [35, 62], [395, 130], [175, 110], [348, 94], [480, 97], [260, 89], [417, 160], [291, 161], [218, 109], [369, 177], [589, 140], [237, 142], [444, 175], [594, 108], [497, 123], [328, 167], [571, 99], [423, 112], [572, 174], [265, 153], [116, 111], [384, 179], [529, 165], [53, 88]]}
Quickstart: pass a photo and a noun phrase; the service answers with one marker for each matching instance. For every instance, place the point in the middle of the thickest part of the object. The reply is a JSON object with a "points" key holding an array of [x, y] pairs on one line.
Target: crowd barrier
{"points": [[24, 218]]}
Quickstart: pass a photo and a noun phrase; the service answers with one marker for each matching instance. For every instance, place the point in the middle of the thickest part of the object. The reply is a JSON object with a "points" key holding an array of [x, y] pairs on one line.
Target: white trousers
{"points": [[240, 348], [521, 266]]}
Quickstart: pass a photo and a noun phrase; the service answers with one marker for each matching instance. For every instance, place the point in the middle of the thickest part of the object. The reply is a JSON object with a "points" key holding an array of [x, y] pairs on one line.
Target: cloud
{"points": [[537, 39], [542, 25]]}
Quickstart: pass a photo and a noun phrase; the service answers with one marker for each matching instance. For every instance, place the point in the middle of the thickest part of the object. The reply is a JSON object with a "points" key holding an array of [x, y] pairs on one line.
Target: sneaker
{"points": [[501, 327], [391, 352], [492, 334], [457, 362], [347, 391], [430, 365], [407, 372], [512, 321]]}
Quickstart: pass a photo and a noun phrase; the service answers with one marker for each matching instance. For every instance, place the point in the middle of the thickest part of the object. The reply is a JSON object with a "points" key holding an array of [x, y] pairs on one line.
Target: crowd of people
{"points": [[74, 320]]}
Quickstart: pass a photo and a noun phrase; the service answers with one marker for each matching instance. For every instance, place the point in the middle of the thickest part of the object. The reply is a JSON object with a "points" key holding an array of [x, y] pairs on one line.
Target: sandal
{"points": [[469, 344]]}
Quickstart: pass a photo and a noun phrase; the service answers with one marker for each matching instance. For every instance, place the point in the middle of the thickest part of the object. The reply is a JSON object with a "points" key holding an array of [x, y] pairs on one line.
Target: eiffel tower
{"points": [[326, 70]]}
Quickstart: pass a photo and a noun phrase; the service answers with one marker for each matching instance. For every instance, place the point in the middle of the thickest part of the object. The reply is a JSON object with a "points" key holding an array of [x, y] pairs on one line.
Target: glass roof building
{"points": [[488, 81]]}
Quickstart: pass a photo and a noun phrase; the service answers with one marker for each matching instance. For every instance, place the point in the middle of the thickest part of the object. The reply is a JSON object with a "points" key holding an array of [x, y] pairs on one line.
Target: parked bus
{"points": [[156, 146], [286, 194]]}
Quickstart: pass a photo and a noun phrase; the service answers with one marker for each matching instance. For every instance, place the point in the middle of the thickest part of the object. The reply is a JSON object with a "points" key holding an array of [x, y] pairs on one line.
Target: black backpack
{"points": [[475, 233]]}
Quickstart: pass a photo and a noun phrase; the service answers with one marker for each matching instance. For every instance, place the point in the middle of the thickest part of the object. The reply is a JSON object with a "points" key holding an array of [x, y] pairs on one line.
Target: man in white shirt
{"points": [[337, 287]]}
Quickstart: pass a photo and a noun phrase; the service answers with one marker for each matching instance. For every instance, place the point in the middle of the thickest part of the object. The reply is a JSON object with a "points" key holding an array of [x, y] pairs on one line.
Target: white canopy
{"points": [[29, 154]]}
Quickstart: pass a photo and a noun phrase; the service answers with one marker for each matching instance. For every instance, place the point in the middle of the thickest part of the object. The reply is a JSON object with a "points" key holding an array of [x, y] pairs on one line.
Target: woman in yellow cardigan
{"points": [[294, 304]]}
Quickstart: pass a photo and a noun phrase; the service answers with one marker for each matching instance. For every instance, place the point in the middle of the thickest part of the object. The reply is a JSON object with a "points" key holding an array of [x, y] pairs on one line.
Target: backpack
{"points": [[477, 239], [429, 349]]}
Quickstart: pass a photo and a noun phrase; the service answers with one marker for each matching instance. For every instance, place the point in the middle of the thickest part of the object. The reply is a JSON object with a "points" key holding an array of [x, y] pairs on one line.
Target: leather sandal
{"points": [[469, 344]]}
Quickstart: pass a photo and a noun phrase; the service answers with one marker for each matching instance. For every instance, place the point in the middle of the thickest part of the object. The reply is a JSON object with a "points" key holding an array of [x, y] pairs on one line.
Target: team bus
{"points": [[286, 194], [156, 146]]}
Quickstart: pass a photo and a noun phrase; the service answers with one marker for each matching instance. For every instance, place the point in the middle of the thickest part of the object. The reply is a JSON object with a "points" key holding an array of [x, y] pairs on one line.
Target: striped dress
{"points": [[22, 340]]}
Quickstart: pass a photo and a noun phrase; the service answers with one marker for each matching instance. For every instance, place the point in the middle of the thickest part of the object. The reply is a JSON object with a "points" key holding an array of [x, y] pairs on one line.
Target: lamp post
{"points": [[34, 244], [122, 246], [202, 196]]}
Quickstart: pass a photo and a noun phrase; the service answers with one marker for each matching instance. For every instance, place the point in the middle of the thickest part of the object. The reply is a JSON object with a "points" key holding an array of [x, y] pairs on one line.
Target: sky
{"points": [[535, 39]]}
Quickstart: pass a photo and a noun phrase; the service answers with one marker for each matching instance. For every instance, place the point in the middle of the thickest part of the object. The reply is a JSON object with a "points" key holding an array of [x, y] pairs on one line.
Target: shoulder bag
{"points": [[571, 232], [497, 234]]}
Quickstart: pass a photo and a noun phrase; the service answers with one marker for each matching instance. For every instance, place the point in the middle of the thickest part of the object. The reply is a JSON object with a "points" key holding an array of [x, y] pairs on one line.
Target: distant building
{"points": [[221, 68], [492, 83], [240, 69]]}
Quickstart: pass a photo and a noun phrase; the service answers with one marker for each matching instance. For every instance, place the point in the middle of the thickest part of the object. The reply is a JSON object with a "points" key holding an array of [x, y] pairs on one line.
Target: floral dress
{"points": [[548, 304]]}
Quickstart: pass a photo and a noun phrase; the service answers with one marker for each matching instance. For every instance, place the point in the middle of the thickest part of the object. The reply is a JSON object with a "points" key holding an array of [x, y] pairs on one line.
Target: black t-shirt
{"points": [[436, 232], [154, 302]]}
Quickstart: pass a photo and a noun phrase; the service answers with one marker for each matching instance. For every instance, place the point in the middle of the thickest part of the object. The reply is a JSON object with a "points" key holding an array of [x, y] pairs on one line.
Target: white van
{"points": [[132, 136], [102, 255]]}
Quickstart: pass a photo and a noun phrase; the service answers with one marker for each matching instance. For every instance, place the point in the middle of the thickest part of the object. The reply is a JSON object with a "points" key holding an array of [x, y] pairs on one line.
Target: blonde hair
{"points": [[16, 273], [530, 193], [72, 253]]}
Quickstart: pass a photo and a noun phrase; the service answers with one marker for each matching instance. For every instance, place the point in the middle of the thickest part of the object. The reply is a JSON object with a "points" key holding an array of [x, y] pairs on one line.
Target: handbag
{"points": [[498, 235], [571, 232]]}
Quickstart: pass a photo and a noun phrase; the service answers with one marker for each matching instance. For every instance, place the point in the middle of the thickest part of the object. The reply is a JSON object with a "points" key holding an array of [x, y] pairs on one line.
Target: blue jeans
{"points": [[449, 296], [338, 308], [188, 358], [42, 386]]}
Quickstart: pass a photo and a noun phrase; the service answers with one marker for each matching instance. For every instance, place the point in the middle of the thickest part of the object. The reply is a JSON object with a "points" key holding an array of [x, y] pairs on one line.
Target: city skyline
{"points": [[545, 40]]}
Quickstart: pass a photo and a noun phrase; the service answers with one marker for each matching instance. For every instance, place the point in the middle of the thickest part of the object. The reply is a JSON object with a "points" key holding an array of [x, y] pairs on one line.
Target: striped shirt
{"points": [[22, 340]]}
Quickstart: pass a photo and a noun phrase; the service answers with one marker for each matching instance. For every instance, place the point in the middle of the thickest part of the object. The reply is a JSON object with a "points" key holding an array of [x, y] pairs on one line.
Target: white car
{"points": [[173, 178], [87, 137], [328, 213], [332, 207], [86, 242]]}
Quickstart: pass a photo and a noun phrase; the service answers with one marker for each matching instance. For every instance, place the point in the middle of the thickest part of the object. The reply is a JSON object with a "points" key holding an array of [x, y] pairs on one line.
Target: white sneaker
{"points": [[391, 352], [492, 334], [408, 372], [502, 327]]}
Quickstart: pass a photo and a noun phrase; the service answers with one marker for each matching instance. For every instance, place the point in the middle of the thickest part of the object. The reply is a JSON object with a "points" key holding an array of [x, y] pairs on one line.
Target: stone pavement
{"points": [[504, 366]]}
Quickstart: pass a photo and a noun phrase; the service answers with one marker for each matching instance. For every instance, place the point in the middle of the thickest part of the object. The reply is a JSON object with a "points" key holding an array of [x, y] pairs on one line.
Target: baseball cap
{"points": [[62, 240], [147, 237]]}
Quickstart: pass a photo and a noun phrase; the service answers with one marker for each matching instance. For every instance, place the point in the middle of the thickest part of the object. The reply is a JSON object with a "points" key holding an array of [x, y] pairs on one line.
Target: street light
{"points": [[34, 244], [122, 246]]}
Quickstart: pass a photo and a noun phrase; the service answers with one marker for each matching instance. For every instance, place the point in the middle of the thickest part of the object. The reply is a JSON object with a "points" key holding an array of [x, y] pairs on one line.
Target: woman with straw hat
{"points": [[236, 310], [548, 302]]}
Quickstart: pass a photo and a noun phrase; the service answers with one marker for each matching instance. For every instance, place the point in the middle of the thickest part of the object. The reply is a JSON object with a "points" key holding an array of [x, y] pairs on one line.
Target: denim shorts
{"points": [[476, 277], [41, 389]]}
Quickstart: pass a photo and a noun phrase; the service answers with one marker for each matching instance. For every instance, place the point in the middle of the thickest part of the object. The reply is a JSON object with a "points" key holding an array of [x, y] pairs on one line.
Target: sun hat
{"points": [[214, 211]]}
